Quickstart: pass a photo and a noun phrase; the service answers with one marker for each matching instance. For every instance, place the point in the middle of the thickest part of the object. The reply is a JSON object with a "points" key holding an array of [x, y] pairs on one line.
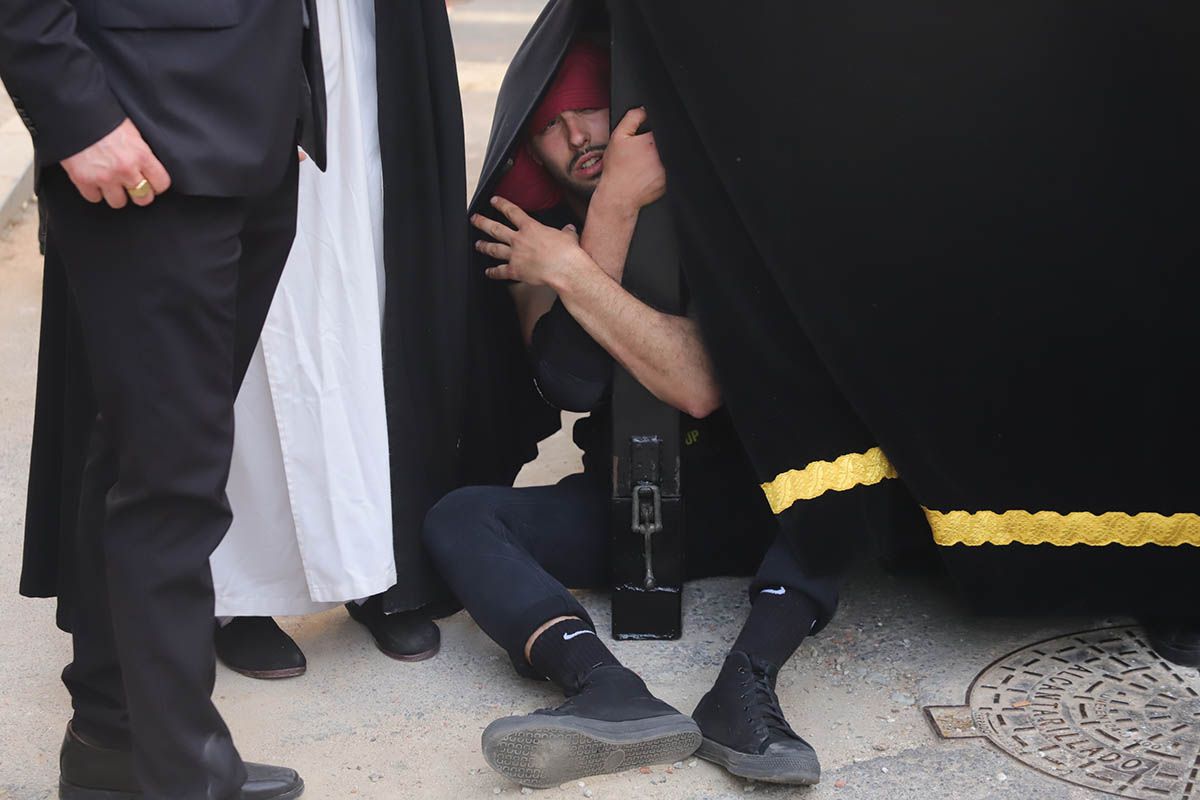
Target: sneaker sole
{"points": [[543, 751], [797, 770]]}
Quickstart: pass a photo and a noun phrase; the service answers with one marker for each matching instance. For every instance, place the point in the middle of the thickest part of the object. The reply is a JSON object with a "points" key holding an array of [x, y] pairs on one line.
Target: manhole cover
{"points": [[1098, 709]]}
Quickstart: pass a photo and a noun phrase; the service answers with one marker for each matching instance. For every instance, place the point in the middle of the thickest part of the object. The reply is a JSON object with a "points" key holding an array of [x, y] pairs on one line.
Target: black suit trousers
{"points": [[171, 300]]}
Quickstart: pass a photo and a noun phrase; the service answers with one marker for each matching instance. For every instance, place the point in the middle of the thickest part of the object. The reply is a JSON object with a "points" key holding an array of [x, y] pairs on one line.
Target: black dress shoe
{"points": [[258, 648], [266, 782], [404, 636], [745, 730], [90, 772], [1176, 640], [612, 724]]}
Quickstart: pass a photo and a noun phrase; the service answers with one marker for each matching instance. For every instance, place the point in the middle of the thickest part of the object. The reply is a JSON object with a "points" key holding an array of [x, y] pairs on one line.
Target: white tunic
{"points": [[310, 485]]}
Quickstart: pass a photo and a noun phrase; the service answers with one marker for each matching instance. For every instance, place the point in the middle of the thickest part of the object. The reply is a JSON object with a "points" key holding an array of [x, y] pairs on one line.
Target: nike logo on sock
{"points": [[780, 590], [569, 636]]}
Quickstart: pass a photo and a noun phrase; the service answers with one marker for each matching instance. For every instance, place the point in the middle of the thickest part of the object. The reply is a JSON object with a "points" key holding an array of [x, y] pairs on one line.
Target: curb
{"points": [[16, 169]]}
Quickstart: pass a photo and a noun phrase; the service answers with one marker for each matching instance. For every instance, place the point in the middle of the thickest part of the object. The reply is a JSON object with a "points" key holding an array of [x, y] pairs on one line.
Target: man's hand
{"points": [[633, 174], [537, 254], [119, 161]]}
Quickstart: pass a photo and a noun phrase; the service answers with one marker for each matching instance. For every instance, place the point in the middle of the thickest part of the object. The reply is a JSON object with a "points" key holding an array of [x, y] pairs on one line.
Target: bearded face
{"points": [[571, 149]]}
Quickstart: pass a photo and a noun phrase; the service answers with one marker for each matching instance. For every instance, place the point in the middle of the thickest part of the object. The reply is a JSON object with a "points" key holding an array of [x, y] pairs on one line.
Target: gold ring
{"points": [[141, 190]]}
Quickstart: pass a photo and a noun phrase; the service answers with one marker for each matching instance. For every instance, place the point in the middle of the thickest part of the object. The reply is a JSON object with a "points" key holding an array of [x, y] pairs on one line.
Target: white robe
{"points": [[310, 480]]}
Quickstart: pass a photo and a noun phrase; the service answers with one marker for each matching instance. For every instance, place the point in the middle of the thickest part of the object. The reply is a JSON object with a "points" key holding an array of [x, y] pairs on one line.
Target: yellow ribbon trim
{"points": [[819, 477], [1063, 530]]}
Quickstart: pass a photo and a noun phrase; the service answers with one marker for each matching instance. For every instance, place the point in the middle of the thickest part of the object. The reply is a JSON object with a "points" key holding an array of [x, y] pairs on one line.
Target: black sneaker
{"points": [[1176, 640], [745, 730], [91, 772], [612, 724], [404, 636], [258, 648]]}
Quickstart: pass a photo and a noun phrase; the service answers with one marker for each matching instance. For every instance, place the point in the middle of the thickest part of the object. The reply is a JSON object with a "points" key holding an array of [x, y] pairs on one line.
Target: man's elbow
{"points": [[699, 405]]}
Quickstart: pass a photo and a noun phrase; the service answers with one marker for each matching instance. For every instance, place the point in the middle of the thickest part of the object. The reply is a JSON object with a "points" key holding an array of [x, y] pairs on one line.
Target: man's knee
{"points": [[456, 518]]}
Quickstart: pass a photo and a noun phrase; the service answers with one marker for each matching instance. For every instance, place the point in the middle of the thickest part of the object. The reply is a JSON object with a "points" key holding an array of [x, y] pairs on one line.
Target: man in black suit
{"points": [[165, 132]]}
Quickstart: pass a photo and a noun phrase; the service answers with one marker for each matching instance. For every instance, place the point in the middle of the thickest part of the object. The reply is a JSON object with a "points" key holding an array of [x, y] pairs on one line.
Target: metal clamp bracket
{"points": [[647, 520]]}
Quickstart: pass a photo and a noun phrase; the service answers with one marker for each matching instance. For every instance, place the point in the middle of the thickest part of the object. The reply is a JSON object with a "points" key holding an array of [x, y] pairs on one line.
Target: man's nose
{"points": [[577, 133]]}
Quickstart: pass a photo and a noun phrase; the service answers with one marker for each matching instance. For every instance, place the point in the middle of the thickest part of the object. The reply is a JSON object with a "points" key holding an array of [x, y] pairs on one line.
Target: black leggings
{"points": [[510, 554]]}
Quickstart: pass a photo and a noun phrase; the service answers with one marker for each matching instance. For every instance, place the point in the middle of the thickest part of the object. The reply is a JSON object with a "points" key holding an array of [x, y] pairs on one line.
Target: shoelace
{"points": [[757, 693]]}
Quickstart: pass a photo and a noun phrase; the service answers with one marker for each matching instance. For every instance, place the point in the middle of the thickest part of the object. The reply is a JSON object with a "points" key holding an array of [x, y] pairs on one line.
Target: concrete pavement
{"points": [[16, 162], [360, 725]]}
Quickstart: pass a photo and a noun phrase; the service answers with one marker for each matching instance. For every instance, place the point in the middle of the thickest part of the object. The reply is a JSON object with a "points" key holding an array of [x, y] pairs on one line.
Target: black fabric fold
{"points": [[425, 246]]}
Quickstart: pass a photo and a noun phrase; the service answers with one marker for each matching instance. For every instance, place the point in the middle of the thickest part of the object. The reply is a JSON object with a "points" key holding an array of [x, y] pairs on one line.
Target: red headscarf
{"points": [[582, 82]]}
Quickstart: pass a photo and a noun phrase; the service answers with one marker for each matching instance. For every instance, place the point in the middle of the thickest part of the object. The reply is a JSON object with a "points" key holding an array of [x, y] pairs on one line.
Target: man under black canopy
{"points": [[509, 554]]}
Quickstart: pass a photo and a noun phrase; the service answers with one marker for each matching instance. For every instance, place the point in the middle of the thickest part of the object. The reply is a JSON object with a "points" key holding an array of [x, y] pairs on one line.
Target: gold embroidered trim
{"points": [[819, 477], [1063, 530]]}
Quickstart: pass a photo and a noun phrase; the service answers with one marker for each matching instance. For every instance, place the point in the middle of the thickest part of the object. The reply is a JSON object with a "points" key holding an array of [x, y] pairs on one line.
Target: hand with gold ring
{"points": [[118, 168]]}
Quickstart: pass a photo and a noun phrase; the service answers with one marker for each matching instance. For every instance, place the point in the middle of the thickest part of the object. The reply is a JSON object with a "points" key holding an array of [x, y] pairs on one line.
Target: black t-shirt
{"points": [[729, 525]]}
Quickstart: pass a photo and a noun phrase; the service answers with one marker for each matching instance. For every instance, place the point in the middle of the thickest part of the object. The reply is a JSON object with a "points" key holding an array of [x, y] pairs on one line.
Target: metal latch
{"points": [[647, 520]]}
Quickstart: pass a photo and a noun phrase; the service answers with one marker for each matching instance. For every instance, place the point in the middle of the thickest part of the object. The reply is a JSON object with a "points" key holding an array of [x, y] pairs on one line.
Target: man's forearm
{"points": [[664, 352], [608, 232], [606, 237]]}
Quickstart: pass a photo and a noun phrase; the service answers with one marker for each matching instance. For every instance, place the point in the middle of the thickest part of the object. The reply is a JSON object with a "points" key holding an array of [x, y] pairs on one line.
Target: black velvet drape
{"points": [[969, 228]]}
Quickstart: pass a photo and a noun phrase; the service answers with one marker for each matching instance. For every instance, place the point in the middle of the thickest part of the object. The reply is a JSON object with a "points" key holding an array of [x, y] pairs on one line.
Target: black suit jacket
{"points": [[220, 89]]}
